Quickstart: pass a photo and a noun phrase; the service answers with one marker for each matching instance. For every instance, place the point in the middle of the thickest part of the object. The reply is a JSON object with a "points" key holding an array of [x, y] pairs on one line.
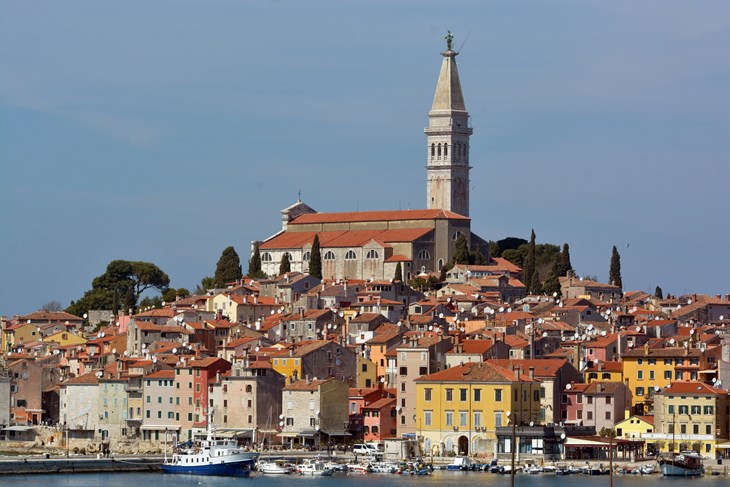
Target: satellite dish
{"points": [[714, 379], [544, 334], [638, 328], [55, 352], [501, 310], [114, 351], [562, 436], [278, 332], [441, 315], [540, 321], [509, 310], [508, 413], [341, 314], [656, 388], [689, 301], [692, 331], [448, 300], [164, 303], [86, 315], [154, 360], [568, 386], [126, 354], [329, 326], [144, 345], [382, 380], [91, 353], [257, 349], [590, 327], [174, 350], [398, 408], [430, 327], [532, 423], [281, 423], [281, 416], [272, 312], [722, 317], [555, 294], [603, 333]]}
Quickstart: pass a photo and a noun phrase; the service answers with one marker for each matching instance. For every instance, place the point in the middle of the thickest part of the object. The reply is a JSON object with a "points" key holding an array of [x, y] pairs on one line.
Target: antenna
{"points": [[465, 39]]}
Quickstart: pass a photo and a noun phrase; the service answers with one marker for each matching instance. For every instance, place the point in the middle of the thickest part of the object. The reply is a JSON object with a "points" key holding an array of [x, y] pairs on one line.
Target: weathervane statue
{"points": [[449, 41]]}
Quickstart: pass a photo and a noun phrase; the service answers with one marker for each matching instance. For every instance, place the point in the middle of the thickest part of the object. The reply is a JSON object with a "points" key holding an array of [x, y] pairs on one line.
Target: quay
{"points": [[35, 465]]}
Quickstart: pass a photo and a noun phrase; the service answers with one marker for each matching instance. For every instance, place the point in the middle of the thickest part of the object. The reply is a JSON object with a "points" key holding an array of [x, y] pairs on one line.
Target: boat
{"points": [[315, 468], [273, 468], [533, 469], [685, 464], [358, 468], [459, 463], [383, 467], [210, 456], [648, 468]]}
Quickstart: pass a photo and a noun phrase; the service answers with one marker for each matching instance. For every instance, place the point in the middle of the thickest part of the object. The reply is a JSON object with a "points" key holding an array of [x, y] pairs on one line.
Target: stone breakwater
{"points": [[17, 466]]}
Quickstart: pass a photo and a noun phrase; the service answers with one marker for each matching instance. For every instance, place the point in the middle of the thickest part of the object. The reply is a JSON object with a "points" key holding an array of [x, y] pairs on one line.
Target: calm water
{"points": [[439, 478]]}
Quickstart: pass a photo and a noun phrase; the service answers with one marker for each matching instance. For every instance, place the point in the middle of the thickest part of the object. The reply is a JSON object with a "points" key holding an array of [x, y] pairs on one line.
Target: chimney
{"points": [[245, 299], [255, 299], [291, 351], [532, 372], [600, 366], [727, 297], [276, 300], [218, 376]]}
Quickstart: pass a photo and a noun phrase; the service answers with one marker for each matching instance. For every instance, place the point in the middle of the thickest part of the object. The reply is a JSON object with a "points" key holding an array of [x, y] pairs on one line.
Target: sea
{"points": [[438, 479]]}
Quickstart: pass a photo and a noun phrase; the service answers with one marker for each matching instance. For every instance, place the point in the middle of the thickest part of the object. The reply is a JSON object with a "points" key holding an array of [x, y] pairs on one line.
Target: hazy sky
{"points": [[165, 131]]}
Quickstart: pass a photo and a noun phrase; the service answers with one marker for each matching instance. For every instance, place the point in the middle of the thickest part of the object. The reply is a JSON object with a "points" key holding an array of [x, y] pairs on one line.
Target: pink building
{"points": [[379, 419]]}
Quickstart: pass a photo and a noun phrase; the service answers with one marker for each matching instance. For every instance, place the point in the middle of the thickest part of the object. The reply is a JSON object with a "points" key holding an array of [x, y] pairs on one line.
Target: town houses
{"points": [[406, 328]]}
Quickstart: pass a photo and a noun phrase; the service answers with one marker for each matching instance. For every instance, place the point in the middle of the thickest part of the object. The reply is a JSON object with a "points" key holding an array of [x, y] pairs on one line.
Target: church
{"points": [[371, 244]]}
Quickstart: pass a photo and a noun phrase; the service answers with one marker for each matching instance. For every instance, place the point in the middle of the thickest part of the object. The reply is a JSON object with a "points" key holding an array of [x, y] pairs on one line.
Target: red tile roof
{"points": [[343, 238], [691, 387], [373, 216], [475, 372]]}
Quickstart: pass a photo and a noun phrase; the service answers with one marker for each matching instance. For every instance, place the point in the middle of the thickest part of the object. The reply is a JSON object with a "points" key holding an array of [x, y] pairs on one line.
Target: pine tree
{"points": [[614, 273], [565, 265], [254, 265], [535, 284], [444, 269], [315, 259], [461, 254], [658, 293], [228, 268], [552, 282], [398, 273], [285, 265], [478, 258], [529, 269]]}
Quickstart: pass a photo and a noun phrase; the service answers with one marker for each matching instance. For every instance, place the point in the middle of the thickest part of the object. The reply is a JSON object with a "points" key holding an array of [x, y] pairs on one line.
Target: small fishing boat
{"points": [[685, 464], [459, 463], [274, 468], [315, 468], [358, 468]]}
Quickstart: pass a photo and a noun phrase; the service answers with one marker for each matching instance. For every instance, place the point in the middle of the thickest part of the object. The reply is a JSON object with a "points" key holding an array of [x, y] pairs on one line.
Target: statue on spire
{"points": [[449, 41]]}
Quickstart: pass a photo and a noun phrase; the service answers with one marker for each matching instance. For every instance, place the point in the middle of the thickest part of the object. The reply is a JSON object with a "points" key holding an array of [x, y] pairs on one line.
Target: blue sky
{"points": [[165, 131]]}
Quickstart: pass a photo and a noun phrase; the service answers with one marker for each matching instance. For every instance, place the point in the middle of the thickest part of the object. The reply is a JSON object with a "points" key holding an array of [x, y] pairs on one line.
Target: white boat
{"points": [[273, 468], [533, 469], [382, 467], [459, 463], [358, 468], [685, 464], [648, 468], [210, 456], [314, 467]]}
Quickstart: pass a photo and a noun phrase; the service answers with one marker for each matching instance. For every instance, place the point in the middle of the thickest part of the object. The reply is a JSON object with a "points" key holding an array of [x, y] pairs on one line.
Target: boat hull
{"points": [[237, 469], [671, 470]]}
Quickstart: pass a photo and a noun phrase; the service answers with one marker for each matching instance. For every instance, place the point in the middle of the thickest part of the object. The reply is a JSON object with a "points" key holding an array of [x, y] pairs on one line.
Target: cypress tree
{"points": [[659, 293], [478, 258], [535, 284], [228, 268], [565, 265], [285, 265], [461, 255], [614, 273], [398, 273], [552, 282], [529, 269], [254, 265], [315, 259]]}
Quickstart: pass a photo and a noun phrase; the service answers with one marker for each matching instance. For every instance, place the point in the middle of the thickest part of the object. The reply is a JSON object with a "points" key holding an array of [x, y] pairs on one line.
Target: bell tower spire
{"points": [[447, 136]]}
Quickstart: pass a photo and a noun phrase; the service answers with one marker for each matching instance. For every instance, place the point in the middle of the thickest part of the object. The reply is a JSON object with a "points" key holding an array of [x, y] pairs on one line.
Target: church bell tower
{"points": [[448, 135]]}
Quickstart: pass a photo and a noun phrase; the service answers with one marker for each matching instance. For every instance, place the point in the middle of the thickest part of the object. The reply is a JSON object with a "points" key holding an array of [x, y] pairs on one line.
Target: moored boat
{"points": [[273, 468], [685, 464], [314, 467]]}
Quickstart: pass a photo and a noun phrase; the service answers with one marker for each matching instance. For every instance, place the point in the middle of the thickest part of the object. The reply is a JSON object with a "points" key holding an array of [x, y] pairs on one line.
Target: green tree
{"points": [[565, 264], [552, 282], [398, 273], [254, 265], [478, 258], [444, 269], [461, 254], [120, 286], [284, 265], [494, 250], [658, 293], [424, 284], [206, 283], [614, 273], [315, 259], [170, 295], [529, 270], [228, 268], [150, 302], [535, 284]]}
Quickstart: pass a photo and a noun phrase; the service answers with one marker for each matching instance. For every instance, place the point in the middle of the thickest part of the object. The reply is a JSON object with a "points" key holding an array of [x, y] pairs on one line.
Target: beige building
{"points": [[160, 413], [315, 412]]}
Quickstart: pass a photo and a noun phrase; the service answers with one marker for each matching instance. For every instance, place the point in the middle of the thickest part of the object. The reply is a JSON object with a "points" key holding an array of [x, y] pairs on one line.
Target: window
{"points": [[590, 415], [696, 409], [477, 395], [372, 254], [329, 255], [670, 409], [498, 395], [462, 394], [449, 394], [667, 375], [606, 376], [590, 399], [456, 235], [307, 256], [424, 255], [608, 399], [446, 149], [640, 375], [579, 414], [427, 418], [652, 361], [639, 391], [433, 150], [350, 255], [683, 409], [608, 414], [651, 375], [427, 394], [708, 410], [266, 257], [477, 419], [449, 418], [498, 418], [462, 418], [667, 361]]}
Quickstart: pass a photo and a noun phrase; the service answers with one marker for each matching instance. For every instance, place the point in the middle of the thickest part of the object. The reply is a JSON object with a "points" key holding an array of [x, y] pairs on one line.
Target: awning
{"points": [[723, 445], [19, 428], [307, 434], [160, 427], [573, 441], [336, 433], [288, 434]]}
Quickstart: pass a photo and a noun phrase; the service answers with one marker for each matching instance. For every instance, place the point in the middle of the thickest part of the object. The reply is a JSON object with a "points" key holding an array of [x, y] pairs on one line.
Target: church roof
{"points": [[343, 238], [448, 88], [373, 216]]}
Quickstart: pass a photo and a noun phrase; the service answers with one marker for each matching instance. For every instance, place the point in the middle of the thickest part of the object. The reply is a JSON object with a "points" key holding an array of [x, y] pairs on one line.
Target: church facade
{"points": [[370, 244]]}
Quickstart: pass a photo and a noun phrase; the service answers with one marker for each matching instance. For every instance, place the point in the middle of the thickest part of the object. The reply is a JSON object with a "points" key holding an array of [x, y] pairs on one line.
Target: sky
{"points": [[165, 131]]}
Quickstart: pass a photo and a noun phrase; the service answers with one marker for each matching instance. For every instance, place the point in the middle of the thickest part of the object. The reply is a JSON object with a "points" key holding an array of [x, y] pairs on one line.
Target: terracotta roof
{"points": [[690, 387], [372, 216], [343, 238], [398, 258], [474, 372], [156, 313], [600, 387], [545, 367], [161, 374], [304, 385], [366, 318], [609, 366], [474, 346], [50, 316], [381, 403], [88, 378]]}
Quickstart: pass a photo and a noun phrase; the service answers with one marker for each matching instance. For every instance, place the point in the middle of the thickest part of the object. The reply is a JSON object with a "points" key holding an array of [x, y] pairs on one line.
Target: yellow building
{"points": [[366, 372], [634, 427], [459, 409], [20, 333], [689, 416], [650, 369], [605, 372], [65, 338]]}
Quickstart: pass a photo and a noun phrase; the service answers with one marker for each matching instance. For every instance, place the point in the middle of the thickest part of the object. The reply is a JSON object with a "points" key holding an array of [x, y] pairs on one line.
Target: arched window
{"points": [[433, 150], [329, 255], [458, 149], [455, 235], [446, 149], [266, 257], [441, 264], [438, 150], [424, 255], [372, 254], [350, 255], [289, 256], [249, 388], [307, 256]]}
